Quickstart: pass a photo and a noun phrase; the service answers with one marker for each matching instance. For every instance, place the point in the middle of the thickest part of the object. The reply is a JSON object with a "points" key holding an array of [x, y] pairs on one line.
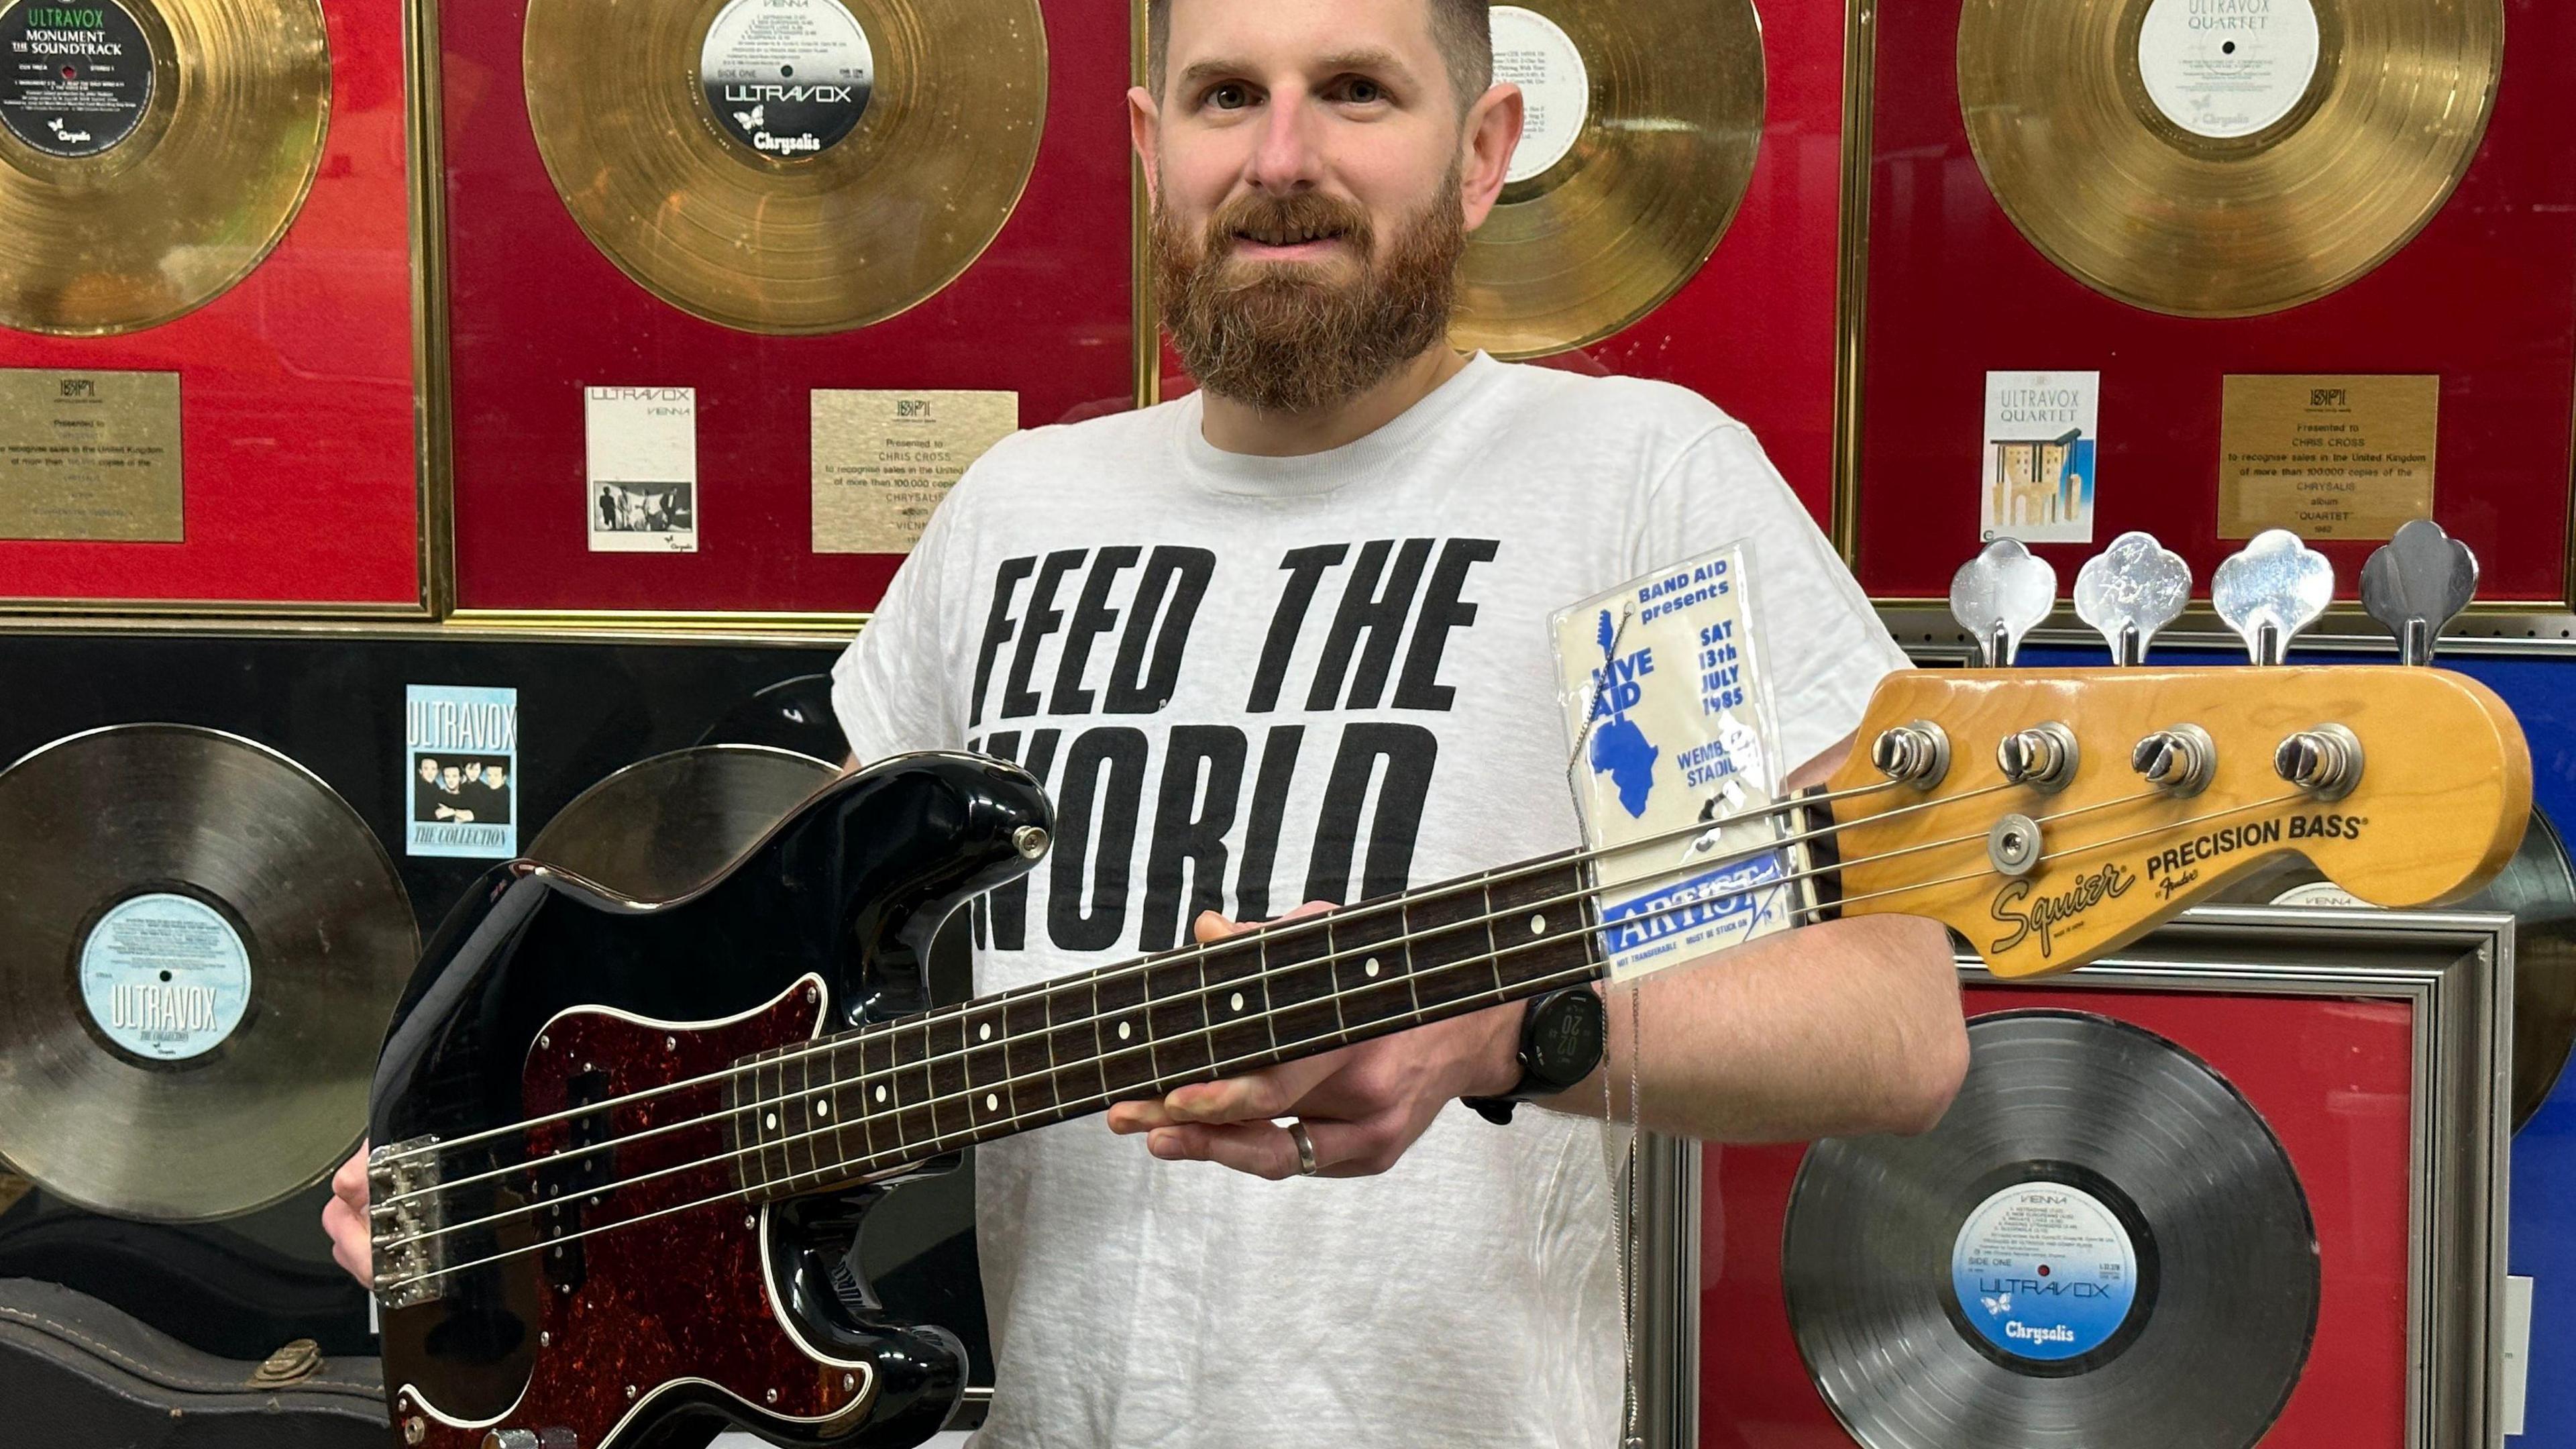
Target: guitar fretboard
{"points": [[875, 1099]]}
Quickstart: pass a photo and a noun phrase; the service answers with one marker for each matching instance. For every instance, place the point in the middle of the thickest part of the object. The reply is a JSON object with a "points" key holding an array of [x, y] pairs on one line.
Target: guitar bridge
{"points": [[402, 1213]]}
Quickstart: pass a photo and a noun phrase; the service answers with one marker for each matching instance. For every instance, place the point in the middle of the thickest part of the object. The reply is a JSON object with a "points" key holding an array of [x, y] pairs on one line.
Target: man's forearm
{"points": [[1839, 1029]]}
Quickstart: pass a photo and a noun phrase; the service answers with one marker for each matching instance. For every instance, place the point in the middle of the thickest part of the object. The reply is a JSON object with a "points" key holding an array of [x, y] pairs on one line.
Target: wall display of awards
{"points": [[801, 261], [204, 249], [2244, 1183], [2212, 269]]}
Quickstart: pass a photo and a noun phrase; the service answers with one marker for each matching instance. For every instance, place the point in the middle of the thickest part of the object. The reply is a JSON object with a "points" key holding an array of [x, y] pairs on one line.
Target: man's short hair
{"points": [[1463, 29]]}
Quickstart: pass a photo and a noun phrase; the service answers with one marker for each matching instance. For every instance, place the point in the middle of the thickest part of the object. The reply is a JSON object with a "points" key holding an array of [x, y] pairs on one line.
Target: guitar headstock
{"points": [[2042, 879], [2050, 816]]}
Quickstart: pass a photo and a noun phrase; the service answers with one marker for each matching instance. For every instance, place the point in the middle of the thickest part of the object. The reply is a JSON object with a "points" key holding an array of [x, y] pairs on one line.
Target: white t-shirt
{"points": [[1248, 682]]}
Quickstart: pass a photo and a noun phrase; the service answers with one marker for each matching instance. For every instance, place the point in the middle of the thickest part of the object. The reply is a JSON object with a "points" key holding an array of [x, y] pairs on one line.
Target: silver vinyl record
{"points": [[2101, 1246], [200, 945], [660, 828]]}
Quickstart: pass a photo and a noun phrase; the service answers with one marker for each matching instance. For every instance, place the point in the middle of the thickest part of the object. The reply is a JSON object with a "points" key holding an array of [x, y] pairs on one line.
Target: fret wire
{"points": [[1333, 983], [1571, 857]]}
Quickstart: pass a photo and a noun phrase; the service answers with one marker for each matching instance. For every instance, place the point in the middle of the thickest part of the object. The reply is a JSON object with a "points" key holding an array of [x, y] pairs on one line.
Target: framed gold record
{"points": [[788, 166], [1642, 126], [152, 152], [2225, 158]]}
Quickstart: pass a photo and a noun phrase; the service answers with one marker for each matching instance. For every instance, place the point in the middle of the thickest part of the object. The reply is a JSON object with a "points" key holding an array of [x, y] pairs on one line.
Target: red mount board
{"points": [[2334, 1078], [2485, 296], [297, 452], [1753, 330], [537, 314]]}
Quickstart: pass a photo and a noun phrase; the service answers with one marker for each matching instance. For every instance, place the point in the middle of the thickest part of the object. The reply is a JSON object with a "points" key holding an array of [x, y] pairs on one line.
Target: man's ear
{"points": [[1493, 132], [1142, 117]]}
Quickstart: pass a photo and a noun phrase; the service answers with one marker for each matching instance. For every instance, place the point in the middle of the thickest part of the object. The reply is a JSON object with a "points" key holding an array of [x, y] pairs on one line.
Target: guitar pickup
{"points": [[403, 1212], [573, 1178]]}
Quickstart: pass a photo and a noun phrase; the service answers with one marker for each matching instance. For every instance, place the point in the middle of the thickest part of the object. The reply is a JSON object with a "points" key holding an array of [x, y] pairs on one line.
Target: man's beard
{"points": [[1286, 337]]}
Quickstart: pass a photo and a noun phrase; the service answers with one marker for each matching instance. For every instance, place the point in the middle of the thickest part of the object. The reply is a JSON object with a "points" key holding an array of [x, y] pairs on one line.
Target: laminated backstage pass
{"points": [[1670, 720]]}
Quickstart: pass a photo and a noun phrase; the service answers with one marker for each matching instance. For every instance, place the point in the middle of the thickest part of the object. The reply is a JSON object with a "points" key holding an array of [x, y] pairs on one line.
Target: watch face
{"points": [[1565, 1032]]}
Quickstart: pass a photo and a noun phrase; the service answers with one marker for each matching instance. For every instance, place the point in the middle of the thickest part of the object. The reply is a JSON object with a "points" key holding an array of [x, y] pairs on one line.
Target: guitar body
{"points": [[542, 993]]}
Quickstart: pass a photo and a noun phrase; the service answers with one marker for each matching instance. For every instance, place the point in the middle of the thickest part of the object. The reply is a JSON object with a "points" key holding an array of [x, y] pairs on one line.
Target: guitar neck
{"points": [[870, 1101]]}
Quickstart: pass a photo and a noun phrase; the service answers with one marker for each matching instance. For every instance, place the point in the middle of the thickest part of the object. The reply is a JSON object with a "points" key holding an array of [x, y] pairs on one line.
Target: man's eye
{"points": [[1230, 97], [1363, 91]]}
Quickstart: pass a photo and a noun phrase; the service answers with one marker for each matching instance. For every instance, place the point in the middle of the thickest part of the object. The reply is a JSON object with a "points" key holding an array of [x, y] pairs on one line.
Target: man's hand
{"points": [[344, 1218], [1363, 1105]]}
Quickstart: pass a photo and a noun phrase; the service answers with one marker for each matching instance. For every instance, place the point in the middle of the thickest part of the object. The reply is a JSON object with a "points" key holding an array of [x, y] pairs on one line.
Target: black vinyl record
{"points": [[2101, 1245]]}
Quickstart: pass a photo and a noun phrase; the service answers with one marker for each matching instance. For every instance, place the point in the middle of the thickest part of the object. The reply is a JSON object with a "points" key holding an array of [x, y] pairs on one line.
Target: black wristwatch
{"points": [[1561, 1036]]}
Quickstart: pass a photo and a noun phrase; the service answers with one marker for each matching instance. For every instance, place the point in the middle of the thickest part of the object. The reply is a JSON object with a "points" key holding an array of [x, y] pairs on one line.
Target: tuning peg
{"points": [[2417, 584], [2271, 591], [2000, 595], [2130, 591]]}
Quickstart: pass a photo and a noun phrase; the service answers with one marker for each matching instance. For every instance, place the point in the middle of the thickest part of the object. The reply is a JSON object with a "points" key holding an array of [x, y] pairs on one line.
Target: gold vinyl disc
{"points": [[788, 166], [1640, 131], [2225, 158], [200, 945], [152, 152]]}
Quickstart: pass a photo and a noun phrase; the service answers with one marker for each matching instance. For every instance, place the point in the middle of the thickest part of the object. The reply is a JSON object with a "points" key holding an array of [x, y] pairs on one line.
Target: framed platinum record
{"points": [[2243, 1182]]}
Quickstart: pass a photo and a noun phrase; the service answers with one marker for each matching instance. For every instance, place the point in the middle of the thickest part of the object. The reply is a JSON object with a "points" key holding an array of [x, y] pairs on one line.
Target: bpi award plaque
{"points": [[2327, 457], [90, 456]]}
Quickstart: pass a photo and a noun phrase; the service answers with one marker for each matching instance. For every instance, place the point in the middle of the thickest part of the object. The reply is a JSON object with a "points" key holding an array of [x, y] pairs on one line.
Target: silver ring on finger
{"points": [[1306, 1165]]}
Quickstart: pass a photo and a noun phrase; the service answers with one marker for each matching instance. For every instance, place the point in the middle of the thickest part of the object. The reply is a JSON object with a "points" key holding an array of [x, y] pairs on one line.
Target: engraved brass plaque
{"points": [[90, 457], [883, 460], [2327, 456]]}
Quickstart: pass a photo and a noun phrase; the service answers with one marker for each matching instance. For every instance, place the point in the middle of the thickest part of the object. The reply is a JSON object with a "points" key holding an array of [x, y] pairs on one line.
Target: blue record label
{"points": [[2044, 1272], [165, 976]]}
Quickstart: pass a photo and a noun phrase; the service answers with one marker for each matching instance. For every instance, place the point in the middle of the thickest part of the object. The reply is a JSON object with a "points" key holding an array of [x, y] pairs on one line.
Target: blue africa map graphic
{"points": [[1619, 749]]}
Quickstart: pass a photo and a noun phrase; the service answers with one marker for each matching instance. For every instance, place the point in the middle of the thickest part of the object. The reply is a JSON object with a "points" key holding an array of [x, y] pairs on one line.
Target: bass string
{"points": [[1282, 931], [839, 1044], [838, 1179], [835, 1046], [845, 1042], [909, 1153]]}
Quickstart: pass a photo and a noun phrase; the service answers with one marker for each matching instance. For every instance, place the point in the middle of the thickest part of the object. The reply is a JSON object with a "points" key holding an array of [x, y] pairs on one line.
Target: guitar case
{"points": [[78, 1374]]}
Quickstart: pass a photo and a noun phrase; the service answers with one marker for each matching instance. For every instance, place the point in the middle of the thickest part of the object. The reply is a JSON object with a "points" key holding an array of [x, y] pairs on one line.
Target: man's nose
{"points": [[1286, 158]]}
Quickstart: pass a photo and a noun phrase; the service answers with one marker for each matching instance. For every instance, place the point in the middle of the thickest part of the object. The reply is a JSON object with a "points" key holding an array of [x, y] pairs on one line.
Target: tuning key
{"points": [[2130, 591], [2271, 591], [2000, 595], [2417, 584]]}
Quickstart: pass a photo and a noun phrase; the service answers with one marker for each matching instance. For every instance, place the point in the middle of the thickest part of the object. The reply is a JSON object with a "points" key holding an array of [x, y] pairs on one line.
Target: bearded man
{"points": [[1286, 639]]}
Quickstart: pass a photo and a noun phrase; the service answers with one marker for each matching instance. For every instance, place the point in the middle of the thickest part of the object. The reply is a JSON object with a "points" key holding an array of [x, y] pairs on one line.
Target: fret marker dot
{"points": [[1122, 1031], [880, 1091], [1237, 1003], [1370, 969], [822, 1106], [984, 1032], [1538, 925], [992, 1103], [770, 1121]]}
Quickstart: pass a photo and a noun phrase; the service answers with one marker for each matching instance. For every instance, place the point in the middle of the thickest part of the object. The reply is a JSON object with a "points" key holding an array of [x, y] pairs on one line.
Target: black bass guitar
{"points": [[623, 1146]]}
